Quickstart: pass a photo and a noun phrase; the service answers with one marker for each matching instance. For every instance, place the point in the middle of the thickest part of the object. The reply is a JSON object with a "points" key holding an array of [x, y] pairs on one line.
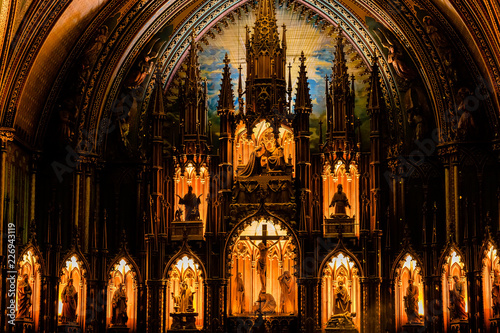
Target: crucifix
{"points": [[263, 249]]}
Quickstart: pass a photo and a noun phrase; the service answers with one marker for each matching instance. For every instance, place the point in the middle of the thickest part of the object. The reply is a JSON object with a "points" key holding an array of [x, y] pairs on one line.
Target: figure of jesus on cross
{"points": [[263, 250]]}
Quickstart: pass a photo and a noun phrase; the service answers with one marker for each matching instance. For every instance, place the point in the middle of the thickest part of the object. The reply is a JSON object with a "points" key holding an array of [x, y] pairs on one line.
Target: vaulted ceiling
{"points": [[81, 55]]}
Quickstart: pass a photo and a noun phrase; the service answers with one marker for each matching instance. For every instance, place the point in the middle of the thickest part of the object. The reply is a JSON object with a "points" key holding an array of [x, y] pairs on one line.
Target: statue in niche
{"points": [[70, 298], [342, 299], [269, 156], [285, 281], [240, 293], [495, 294], [68, 114], [262, 261], [24, 298], [340, 201], [466, 124], [185, 298], [265, 304], [411, 303], [145, 65], [191, 204], [457, 300], [178, 215], [395, 56], [342, 317], [119, 305]]}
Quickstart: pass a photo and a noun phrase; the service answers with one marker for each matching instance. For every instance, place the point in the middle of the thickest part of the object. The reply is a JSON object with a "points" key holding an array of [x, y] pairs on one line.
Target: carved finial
{"points": [[303, 98], [185, 234], [226, 96]]}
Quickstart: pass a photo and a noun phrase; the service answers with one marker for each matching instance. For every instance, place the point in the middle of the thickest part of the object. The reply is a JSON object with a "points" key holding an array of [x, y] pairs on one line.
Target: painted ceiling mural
{"points": [[318, 46]]}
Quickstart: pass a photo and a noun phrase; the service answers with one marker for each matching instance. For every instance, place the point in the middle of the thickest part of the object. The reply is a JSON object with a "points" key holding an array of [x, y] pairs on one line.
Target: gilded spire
{"points": [[303, 99], [226, 97], [265, 10]]}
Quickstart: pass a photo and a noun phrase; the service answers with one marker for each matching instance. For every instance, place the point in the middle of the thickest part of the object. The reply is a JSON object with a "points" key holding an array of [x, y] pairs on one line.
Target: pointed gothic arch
{"points": [[123, 269], [184, 266], [408, 266], [451, 265], [490, 281], [74, 266], [242, 255], [340, 265], [31, 263]]}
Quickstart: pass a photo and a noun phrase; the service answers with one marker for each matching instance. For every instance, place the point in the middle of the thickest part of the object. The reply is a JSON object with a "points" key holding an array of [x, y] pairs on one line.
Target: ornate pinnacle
{"points": [[303, 100], [226, 97]]}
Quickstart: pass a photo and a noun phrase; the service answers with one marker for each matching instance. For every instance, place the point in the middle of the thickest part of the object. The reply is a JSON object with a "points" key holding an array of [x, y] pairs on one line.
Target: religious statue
{"points": [[268, 157], [262, 261], [265, 303], [411, 303], [395, 56], [466, 123], [191, 203], [145, 65], [24, 298], [185, 298], [69, 298], [495, 294], [285, 281], [457, 300], [119, 305], [340, 201], [240, 293], [342, 299]]}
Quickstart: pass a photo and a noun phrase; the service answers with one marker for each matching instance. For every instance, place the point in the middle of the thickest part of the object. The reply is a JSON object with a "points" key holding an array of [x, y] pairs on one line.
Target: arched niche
{"points": [[340, 265], [30, 263], [408, 267], [262, 136], [452, 265], [184, 267], [347, 175], [73, 267], [491, 283], [244, 256], [194, 175], [123, 270]]}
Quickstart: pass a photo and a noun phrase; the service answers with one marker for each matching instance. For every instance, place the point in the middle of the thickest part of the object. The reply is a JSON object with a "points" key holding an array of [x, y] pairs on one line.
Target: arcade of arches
{"points": [[250, 166]]}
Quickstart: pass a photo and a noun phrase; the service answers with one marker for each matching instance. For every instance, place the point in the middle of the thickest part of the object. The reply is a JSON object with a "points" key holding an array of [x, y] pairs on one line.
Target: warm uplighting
{"points": [[122, 267], [341, 260], [455, 259], [72, 263], [256, 229], [186, 262]]}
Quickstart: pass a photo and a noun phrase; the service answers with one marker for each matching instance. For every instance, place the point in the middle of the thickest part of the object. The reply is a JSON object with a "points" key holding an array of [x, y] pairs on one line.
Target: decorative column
{"points": [[6, 135]]}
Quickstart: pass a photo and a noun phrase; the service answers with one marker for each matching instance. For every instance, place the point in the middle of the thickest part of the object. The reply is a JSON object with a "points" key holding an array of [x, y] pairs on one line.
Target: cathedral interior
{"points": [[250, 166]]}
